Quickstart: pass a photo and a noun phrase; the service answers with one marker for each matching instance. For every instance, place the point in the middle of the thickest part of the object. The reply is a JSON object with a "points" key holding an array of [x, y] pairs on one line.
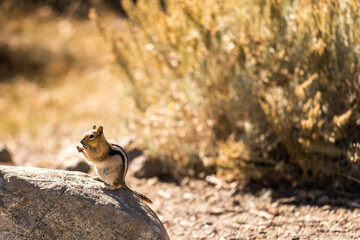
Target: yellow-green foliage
{"points": [[268, 87]]}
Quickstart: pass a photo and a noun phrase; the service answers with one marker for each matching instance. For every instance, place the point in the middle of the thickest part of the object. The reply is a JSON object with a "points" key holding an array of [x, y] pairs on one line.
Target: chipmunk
{"points": [[109, 159]]}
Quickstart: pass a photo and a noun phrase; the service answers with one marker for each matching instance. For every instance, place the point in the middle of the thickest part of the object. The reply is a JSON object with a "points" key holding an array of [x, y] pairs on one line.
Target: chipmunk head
{"points": [[93, 138]]}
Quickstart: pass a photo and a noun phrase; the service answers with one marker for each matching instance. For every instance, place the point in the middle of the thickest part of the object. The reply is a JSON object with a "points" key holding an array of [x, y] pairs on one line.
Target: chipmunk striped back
{"points": [[117, 149]]}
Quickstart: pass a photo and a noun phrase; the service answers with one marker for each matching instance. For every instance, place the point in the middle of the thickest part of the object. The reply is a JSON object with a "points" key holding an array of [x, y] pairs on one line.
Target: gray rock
{"points": [[133, 153], [70, 159], [54, 204], [5, 155], [130, 146], [146, 167], [77, 164], [323, 200]]}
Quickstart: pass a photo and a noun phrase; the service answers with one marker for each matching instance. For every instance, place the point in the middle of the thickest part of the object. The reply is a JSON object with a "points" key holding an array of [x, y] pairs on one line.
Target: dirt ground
{"points": [[214, 209]]}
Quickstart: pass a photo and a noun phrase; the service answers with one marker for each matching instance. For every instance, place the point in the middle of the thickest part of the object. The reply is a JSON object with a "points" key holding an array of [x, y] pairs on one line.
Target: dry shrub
{"points": [[312, 87], [270, 88], [77, 9]]}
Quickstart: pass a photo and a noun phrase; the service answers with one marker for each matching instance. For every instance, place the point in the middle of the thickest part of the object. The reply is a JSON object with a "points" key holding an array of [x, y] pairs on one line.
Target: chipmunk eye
{"points": [[91, 136]]}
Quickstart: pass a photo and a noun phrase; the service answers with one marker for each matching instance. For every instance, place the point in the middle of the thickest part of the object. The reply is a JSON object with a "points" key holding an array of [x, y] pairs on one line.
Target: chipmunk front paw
{"points": [[80, 149]]}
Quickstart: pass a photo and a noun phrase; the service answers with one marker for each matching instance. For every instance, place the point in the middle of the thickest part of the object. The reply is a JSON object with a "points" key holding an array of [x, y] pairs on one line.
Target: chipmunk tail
{"points": [[143, 197], [140, 195]]}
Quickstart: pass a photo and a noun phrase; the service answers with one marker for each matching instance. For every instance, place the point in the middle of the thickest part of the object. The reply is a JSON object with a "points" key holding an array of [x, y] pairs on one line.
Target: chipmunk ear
{"points": [[94, 127], [100, 130]]}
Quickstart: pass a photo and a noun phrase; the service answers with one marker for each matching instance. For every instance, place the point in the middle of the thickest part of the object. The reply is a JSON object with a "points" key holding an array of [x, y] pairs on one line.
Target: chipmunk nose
{"points": [[82, 141]]}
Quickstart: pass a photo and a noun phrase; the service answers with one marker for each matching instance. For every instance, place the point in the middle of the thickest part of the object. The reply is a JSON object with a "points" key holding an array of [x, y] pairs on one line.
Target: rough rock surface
{"points": [[53, 204]]}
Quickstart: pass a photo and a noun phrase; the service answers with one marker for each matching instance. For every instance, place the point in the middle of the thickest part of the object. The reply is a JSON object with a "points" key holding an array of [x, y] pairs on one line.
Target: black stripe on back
{"points": [[117, 152]]}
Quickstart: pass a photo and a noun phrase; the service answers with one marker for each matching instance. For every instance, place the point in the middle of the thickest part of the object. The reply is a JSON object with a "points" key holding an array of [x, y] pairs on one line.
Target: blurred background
{"points": [[263, 91]]}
